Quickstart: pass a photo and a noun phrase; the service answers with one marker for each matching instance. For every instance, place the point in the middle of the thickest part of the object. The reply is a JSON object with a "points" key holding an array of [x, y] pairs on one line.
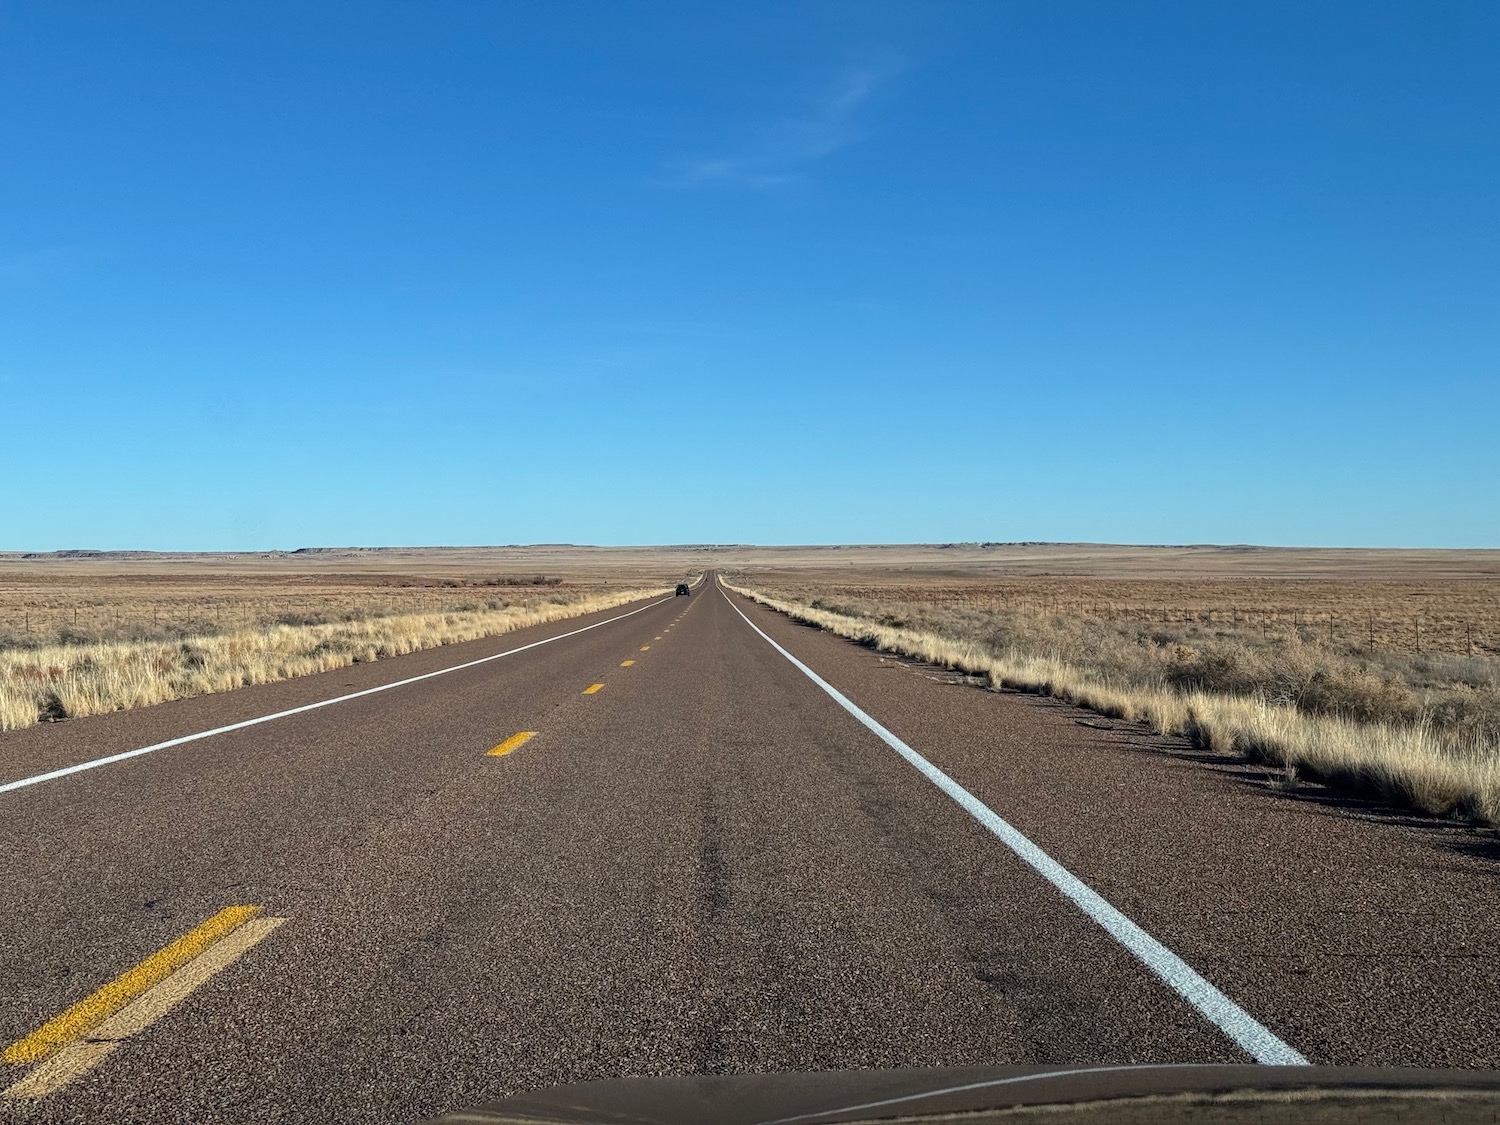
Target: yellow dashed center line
{"points": [[515, 741], [645, 648], [594, 688], [626, 663], [58, 1032]]}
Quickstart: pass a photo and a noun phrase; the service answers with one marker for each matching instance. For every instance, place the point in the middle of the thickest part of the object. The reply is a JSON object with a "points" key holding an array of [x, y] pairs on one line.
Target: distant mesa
{"points": [[331, 550], [80, 553]]}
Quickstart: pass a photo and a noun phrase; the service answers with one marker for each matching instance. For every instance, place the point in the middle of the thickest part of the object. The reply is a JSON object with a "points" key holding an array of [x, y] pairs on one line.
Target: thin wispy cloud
{"points": [[780, 152]]}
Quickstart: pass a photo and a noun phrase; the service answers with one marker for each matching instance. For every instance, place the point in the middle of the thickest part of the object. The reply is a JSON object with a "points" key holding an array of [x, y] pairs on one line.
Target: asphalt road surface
{"points": [[708, 864]]}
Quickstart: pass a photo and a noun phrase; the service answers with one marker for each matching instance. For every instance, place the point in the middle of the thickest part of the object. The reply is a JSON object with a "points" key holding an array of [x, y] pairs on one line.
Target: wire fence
{"points": [[57, 620]]}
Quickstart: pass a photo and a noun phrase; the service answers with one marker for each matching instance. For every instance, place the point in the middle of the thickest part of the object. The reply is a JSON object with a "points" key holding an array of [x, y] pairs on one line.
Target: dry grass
{"points": [[39, 607], [1408, 728], [1417, 615], [55, 681]]}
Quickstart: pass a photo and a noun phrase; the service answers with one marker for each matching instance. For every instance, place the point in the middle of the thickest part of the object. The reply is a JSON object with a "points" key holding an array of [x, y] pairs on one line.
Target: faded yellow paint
{"points": [[594, 688], [645, 648], [82, 1055], [626, 663], [513, 742], [58, 1032]]}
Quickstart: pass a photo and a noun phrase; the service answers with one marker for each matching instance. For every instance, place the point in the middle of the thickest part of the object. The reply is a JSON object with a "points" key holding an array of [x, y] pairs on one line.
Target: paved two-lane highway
{"points": [[658, 846]]}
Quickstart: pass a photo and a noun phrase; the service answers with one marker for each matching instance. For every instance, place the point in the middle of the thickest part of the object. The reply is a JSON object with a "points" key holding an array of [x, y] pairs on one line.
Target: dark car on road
{"points": [[684, 588]]}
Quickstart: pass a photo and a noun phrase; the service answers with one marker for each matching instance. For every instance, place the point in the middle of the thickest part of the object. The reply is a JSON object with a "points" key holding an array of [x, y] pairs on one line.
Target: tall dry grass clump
{"points": [[68, 681], [1354, 731]]}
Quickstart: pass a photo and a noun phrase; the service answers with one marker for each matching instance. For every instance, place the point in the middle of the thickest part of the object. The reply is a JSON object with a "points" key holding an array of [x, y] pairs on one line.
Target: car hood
{"points": [[1120, 1095]]}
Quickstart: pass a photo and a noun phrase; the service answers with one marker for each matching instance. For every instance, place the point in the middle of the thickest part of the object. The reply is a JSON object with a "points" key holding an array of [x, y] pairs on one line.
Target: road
{"points": [[707, 864]]}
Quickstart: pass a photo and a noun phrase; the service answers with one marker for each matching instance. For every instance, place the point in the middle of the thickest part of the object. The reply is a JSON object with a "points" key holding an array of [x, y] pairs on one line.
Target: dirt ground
{"points": [[48, 599], [1432, 600]]}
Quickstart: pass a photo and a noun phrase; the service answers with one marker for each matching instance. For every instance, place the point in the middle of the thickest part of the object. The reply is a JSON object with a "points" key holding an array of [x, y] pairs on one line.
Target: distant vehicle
{"points": [[683, 588]]}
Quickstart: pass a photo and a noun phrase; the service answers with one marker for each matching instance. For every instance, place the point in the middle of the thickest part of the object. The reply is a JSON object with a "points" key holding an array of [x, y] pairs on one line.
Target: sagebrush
{"points": [[72, 680], [1418, 731]]}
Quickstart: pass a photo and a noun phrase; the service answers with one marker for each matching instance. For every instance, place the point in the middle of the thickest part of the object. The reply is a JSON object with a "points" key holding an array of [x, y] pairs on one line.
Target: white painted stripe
{"points": [[97, 762], [1224, 1013]]}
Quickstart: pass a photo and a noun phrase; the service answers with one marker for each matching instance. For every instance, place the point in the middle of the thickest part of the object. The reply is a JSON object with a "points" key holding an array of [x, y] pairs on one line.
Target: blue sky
{"points": [[277, 275]]}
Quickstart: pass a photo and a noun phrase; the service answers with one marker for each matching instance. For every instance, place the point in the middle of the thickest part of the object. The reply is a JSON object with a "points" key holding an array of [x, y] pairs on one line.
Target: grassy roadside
{"points": [[69, 681], [1416, 763]]}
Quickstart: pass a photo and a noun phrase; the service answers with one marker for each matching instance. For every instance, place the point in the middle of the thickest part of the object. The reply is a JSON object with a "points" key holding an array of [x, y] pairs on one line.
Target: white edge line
{"points": [[1252, 1036], [97, 762]]}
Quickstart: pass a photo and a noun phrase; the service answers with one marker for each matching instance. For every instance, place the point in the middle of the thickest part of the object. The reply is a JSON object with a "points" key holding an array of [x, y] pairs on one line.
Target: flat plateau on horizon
{"points": [[969, 559], [1393, 600]]}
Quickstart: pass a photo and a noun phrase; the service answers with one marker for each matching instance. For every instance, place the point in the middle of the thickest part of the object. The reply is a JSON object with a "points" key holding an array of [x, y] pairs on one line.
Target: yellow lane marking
{"points": [[82, 1055], [645, 648], [511, 743], [591, 690], [56, 1033], [626, 663], [656, 638]]}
